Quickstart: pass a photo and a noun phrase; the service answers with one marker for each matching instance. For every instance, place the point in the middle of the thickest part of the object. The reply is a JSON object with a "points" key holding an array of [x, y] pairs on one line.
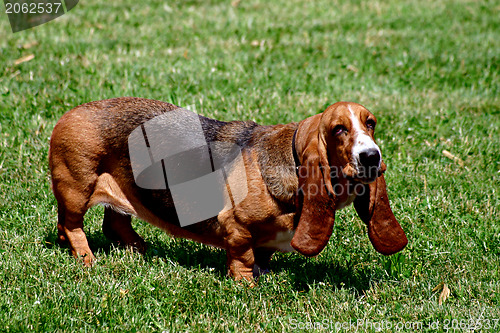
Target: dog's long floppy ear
{"points": [[315, 199], [373, 208]]}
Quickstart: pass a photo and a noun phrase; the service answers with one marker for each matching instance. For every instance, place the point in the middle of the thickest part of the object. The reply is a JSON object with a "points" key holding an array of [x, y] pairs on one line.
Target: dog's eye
{"points": [[339, 129], [370, 123]]}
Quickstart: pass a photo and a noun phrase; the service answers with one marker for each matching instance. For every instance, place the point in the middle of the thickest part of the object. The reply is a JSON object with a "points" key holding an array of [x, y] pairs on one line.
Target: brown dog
{"points": [[292, 178]]}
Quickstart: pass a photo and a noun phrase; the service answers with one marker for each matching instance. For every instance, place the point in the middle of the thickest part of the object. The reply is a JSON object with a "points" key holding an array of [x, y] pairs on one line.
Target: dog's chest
{"points": [[345, 201], [280, 241]]}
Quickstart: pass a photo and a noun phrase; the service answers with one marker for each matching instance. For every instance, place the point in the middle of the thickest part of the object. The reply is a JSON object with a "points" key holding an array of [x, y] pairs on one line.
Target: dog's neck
{"points": [[277, 166]]}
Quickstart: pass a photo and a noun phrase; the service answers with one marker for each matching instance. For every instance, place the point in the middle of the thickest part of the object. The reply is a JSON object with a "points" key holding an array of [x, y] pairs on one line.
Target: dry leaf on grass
{"points": [[352, 68], [445, 292], [29, 45], [453, 157], [24, 59]]}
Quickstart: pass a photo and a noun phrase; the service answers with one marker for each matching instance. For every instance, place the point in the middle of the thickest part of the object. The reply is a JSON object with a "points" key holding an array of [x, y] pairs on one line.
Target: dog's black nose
{"points": [[369, 158]]}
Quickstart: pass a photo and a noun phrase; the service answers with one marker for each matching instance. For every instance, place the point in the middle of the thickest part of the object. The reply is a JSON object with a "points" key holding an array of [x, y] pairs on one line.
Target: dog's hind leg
{"points": [[118, 227], [72, 206]]}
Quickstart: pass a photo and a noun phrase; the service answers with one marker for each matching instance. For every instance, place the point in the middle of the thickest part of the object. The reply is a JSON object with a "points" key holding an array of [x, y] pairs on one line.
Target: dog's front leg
{"points": [[240, 255]]}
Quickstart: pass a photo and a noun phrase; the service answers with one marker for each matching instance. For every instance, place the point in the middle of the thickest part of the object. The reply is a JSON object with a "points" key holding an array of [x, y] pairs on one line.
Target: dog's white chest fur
{"points": [[281, 241]]}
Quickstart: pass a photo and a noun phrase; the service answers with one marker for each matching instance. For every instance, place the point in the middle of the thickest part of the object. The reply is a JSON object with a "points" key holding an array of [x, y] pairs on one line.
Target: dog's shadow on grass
{"points": [[305, 272], [302, 272], [180, 251]]}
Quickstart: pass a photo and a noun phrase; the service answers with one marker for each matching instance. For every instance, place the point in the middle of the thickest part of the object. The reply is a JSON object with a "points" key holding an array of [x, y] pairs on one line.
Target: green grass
{"points": [[430, 72]]}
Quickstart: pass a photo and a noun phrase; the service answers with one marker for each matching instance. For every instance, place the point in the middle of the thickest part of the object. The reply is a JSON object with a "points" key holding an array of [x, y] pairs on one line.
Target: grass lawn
{"points": [[430, 72]]}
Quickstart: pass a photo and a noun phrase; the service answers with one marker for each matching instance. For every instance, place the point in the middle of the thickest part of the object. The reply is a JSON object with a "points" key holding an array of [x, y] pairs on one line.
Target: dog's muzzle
{"points": [[368, 165]]}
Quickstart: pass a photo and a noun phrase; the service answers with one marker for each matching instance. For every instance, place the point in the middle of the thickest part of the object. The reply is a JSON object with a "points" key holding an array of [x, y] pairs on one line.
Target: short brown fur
{"points": [[90, 164]]}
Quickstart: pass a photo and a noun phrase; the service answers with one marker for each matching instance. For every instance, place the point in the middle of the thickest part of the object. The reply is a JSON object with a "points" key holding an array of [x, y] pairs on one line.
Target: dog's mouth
{"points": [[361, 174], [365, 180]]}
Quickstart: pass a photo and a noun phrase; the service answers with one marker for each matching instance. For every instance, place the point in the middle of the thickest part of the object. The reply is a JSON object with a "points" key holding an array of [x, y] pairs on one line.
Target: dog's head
{"points": [[346, 132], [338, 154]]}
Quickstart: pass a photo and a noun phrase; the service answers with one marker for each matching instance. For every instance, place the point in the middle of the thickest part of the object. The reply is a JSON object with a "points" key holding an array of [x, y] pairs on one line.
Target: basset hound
{"points": [[292, 179]]}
